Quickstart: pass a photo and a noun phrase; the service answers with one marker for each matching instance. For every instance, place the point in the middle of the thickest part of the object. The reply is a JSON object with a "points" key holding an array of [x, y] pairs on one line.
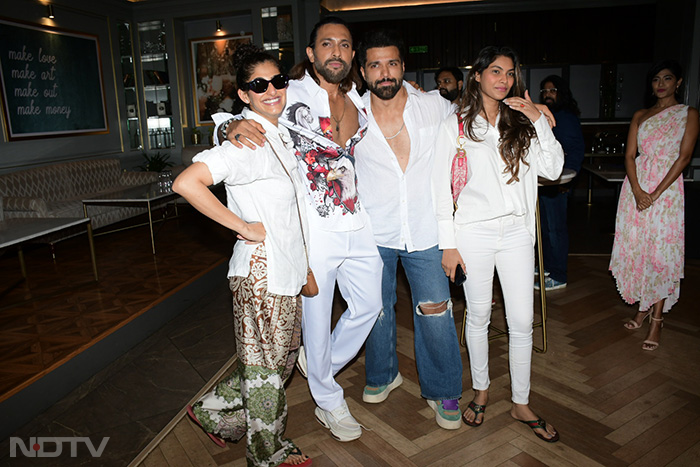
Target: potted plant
{"points": [[196, 136], [156, 162]]}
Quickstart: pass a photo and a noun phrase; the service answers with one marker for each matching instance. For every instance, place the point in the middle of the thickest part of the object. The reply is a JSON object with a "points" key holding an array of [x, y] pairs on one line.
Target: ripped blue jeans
{"points": [[435, 335]]}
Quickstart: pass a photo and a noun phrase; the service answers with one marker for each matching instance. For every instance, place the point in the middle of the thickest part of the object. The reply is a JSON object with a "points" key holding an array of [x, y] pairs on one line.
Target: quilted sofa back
{"points": [[94, 176], [62, 181]]}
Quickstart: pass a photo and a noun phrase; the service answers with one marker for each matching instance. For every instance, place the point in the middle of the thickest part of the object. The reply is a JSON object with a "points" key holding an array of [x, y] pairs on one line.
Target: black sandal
{"points": [[541, 424], [477, 409]]}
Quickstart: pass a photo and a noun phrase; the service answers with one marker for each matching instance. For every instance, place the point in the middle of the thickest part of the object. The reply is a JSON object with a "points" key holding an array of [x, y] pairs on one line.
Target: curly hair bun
{"points": [[243, 53]]}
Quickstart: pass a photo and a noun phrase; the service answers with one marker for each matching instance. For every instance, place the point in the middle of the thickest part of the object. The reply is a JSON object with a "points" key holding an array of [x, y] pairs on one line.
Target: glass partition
{"points": [[278, 33], [156, 84], [126, 53]]}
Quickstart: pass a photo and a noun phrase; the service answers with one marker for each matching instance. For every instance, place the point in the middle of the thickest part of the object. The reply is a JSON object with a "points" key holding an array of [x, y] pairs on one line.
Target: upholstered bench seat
{"points": [[58, 190]]}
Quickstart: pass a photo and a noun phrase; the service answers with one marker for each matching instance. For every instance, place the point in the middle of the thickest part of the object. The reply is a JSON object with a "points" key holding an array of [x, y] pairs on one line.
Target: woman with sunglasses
{"points": [[508, 144], [266, 272]]}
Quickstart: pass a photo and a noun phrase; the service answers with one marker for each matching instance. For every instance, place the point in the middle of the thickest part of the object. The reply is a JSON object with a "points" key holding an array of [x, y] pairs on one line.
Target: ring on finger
{"points": [[238, 135]]}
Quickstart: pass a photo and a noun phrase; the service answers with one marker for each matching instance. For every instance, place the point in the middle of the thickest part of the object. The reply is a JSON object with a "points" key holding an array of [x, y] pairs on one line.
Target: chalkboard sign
{"points": [[51, 82]]}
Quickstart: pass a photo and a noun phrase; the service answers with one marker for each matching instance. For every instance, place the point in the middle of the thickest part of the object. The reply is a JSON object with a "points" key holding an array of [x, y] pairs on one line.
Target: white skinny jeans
{"points": [[506, 244]]}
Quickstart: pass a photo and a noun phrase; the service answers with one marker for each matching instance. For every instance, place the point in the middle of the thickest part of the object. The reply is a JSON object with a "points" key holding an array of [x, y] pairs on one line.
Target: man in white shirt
{"points": [[326, 119], [394, 163]]}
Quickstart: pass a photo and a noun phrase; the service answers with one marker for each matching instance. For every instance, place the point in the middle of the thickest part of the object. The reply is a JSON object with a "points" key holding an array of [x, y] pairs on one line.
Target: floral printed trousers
{"points": [[252, 401]]}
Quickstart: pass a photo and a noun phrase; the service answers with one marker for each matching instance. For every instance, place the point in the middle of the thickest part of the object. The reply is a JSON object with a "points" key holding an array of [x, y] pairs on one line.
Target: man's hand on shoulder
{"points": [[415, 85], [247, 133]]}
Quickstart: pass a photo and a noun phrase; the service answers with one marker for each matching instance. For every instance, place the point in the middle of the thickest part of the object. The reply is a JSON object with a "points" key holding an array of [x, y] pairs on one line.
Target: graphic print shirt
{"points": [[328, 168]]}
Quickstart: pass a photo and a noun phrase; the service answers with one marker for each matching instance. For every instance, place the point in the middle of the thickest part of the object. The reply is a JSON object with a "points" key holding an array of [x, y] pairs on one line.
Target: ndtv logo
{"points": [[37, 448]]}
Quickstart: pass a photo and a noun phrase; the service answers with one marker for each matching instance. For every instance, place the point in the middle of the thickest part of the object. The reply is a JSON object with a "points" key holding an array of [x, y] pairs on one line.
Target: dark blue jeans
{"points": [[435, 336], [555, 235]]}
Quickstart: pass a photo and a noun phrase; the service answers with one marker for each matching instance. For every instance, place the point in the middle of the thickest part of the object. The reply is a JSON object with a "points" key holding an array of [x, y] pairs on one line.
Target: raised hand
{"points": [[531, 110]]}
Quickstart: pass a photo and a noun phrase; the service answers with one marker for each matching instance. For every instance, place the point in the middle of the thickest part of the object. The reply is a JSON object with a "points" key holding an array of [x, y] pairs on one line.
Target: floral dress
{"points": [[648, 252]]}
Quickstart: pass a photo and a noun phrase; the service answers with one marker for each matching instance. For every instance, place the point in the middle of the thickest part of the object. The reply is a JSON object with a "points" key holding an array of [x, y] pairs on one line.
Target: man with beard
{"points": [[394, 162], [326, 119], [449, 81], [555, 93]]}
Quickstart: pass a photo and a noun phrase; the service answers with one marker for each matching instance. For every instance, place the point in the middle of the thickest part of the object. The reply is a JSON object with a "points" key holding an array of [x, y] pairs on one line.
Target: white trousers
{"points": [[352, 259], [506, 245]]}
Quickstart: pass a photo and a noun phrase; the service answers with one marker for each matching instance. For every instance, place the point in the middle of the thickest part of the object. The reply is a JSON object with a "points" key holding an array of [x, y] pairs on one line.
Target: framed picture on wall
{"points": [[41, 95], [213, 75]]}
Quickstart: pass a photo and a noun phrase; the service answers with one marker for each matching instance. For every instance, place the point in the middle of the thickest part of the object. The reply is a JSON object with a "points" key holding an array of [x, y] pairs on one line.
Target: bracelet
{"points": [[224, 127]]}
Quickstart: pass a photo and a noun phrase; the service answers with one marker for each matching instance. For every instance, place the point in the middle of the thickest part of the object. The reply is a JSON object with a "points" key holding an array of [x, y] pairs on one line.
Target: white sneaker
{"points": [[301, 361], [342, 424]]}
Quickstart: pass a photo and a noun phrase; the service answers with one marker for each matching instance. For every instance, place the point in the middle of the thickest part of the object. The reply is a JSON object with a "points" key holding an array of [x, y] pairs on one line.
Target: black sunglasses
{"points": [[259, 85]]}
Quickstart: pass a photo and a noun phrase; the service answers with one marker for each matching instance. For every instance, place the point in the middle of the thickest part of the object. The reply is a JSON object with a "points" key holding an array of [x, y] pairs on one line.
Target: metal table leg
{"points": [[150, 226], [543, 291], [91, 240]]}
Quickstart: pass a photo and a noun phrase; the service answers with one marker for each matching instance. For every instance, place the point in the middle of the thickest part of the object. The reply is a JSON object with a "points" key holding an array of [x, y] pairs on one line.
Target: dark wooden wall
{"points": [[582, 36]]}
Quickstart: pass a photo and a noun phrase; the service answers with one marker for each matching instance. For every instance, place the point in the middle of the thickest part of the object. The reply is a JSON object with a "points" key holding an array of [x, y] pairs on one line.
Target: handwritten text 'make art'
{"points": [[29, 74]]}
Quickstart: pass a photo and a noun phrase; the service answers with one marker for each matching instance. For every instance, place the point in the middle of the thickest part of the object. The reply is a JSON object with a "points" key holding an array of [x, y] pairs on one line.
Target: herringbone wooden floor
{"points": [[612, 403]]}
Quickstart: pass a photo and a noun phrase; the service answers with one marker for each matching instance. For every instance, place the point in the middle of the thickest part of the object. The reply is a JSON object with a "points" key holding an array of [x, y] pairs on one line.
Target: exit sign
{"points": [[418, 49]]}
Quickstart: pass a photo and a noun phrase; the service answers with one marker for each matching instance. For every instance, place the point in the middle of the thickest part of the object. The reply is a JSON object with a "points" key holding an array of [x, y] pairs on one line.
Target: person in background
{"points": [[266, 272], [649, 249], [555, 93], [449, 82], [508, 144]]}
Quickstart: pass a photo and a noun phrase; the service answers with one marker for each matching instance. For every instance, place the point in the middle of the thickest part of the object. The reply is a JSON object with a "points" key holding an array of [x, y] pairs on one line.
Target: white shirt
{"points": [[399, 203], [486, 195], [259, 190]]}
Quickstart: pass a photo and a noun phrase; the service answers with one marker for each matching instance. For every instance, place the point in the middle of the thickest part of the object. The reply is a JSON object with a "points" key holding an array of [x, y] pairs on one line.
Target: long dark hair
{"points": [[298, 71], [514, 127], [245, 58], [668, 64], [565, 99]]}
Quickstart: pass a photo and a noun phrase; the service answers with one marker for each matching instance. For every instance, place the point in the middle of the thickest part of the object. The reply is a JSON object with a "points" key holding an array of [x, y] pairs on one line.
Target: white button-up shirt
{"points": [[487, 195], [259, 190], [399, 203]]}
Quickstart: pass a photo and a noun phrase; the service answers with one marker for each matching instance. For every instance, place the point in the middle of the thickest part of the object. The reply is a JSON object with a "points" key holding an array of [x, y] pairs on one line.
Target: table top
{"points": [[18, 230], [612, 172], [139, 193], [590, 155], [608, 172], [566, 176]]}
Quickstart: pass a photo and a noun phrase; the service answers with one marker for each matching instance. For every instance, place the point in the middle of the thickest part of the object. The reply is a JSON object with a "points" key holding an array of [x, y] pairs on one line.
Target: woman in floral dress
{"points": [[266, 272], [648, 253]]}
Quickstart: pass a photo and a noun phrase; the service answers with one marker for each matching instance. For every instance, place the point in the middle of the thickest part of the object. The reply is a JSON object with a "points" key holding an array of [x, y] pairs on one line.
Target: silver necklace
{"points": [[388, 138]]}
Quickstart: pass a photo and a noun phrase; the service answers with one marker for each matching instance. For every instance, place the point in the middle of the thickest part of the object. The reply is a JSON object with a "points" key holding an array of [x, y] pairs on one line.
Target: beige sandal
{"points": [[632, 324], [649, 344]]}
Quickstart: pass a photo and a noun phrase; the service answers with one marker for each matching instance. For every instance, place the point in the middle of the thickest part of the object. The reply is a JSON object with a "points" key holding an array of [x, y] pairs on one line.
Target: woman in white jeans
{"points": [[508, 143]]}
